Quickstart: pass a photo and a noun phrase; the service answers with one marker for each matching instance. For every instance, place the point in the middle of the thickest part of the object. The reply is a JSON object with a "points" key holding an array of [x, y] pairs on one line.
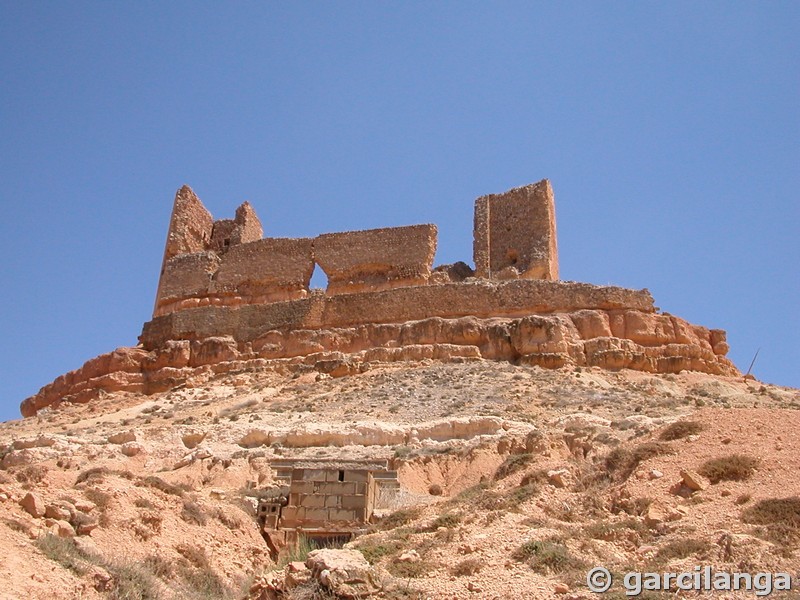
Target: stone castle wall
{"points": [[376, 258], [318, 311], [226, 263]]}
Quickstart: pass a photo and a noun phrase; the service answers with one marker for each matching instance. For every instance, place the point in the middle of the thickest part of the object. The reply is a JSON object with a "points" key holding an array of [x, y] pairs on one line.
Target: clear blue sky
{"points": [[669, 130]]}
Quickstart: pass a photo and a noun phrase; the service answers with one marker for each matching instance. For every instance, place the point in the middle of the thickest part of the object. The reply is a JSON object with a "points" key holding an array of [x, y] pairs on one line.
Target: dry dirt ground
{"points": [[515, 480]]}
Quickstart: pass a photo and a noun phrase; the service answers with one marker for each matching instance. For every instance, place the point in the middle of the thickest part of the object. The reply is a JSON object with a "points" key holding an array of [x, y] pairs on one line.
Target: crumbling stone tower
{"points": [[515, 234]]}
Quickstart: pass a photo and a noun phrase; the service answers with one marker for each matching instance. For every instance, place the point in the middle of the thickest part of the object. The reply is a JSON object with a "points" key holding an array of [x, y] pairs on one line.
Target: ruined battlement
{"points": [[227, 263]]}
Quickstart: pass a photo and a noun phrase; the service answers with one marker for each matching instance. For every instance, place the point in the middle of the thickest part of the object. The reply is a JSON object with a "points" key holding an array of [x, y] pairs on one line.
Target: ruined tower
{"points": [[515, 234]]}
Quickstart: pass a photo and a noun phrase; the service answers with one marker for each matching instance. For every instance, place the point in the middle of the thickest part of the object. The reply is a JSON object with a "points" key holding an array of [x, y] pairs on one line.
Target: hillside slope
{"points": [[514, 479]]}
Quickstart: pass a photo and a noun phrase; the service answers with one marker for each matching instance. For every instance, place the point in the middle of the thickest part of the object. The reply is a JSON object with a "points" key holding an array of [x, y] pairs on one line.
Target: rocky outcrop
{"points": [[329, 573], [230, 301], [612, 339]]}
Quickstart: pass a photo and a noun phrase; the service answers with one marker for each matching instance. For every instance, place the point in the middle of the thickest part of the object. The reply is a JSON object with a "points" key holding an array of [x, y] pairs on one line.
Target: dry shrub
{"points": [[466, 567], [196, 555], [32, 474], [547, 557], [401, 517], [683, 549], [159, 484], [97, 473], [144, 503], [621, 462], [231, 520], [160, 566], [149, 524], [681, 429], [192, 512], [100, 498], [627, 529], [64, 552], [734, 467], [779, 518], [131, 581], [411, 570], [512, 464]]}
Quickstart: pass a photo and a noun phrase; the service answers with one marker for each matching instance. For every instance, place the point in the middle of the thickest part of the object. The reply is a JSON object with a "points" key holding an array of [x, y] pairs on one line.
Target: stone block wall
{"points": [[515, 234], [373, 259], [187, 275], [227, 263], [190, 225], [270, 268]]}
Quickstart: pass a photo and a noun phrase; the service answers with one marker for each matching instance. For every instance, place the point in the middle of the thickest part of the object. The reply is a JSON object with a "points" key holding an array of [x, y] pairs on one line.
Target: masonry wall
{"points": [[515, 234], [187, 275], [270, 268], [318, 311], [226, 263], [355, 261], [190, 225]]}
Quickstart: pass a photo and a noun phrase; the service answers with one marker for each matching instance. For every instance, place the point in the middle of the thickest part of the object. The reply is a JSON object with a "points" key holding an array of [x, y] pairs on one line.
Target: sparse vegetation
{"points": [[159, 484], [131, 581], [375, 550], [734, 467], [547, 557], [231, 520], [683, 548], [93, 473], [512, 464], [779, 519], [621, 462], [32, 474], [101, 499], [411, 570], [192, 512], [401, 517], [64, 552], [627, 529], [198, 574], [468, 566], [681, 429], [447, 520], [298, 552]]}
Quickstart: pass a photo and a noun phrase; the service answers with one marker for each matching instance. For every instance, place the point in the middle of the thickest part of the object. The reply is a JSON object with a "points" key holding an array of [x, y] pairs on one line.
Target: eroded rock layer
{"points": [[550, 324]]}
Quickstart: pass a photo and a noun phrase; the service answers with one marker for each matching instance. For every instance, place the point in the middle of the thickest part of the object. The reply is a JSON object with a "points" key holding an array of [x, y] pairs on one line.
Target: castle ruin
{"points": [[229, 299], [228, 263]]}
